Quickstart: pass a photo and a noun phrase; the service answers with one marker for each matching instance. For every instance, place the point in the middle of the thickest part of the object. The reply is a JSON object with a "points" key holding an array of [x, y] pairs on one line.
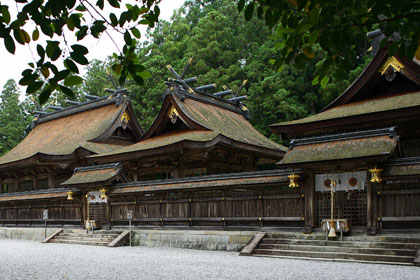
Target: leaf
{"points": [[35, 34], [67, 91], [113, 18], [136, 32], [34, 87], [114, 3], [314, 16], [44, 95], [309, 53], [325, 81], [9, 44], [315, 81], [45, 71], [127, 38], [241, 5], [117, 68], [73, 81], [294, 3], [5, 13], [61, 75], [313, 37], [40, 50], [145, 74], [249, 10], [79, 58], [80, 49], [69, 64], [139, 80], [100, 4], [417, 53]]}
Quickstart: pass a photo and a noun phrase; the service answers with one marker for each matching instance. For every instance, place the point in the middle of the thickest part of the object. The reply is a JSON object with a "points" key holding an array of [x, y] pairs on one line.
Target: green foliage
{"points": [[82, 19], [337, 27], [14, 119]]}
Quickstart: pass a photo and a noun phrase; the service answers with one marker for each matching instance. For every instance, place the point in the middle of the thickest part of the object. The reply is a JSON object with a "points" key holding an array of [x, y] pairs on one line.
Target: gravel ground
{"points": [[32, 260]]}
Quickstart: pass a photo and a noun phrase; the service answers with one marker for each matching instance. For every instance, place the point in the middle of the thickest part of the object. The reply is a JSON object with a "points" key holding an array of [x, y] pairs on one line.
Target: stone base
{"points": [[307, 230], [194, 239], [371, 231]]}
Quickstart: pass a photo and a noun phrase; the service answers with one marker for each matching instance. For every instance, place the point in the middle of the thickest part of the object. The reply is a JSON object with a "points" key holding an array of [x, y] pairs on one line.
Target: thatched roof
{"points": [[60, 135], [206, 122], [94, 175], [357, 145]]}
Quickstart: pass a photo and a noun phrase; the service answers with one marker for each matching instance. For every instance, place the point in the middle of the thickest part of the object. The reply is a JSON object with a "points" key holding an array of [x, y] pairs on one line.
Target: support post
{"points": [[370, 222], [309, 193]]}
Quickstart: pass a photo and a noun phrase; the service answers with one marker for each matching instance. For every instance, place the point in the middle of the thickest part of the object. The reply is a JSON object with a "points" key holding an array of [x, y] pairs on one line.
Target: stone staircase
{"points": [[385, 249], [80, 237]]}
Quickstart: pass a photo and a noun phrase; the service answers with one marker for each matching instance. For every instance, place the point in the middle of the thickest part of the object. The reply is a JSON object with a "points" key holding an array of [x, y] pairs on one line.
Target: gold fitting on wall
{"points": [[223, 198], [223, 219], [69, 195], [379, 218], [379, 193], [303, 218], [375, 175], [125, 118], [302, 195], [259, 219], [189, 200], [259, 197], [103, 193], [160, 201], [293, 180], [189, 219]]}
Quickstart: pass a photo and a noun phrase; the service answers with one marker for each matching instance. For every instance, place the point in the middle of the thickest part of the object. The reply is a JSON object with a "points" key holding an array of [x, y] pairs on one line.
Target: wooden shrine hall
{"points": [[199, 164]]}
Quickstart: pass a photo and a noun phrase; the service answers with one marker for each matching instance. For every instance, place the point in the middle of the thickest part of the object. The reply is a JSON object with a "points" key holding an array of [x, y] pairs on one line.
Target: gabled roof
{"points": [[198, 120], [98, 175], [388, 88], [81, 129]]}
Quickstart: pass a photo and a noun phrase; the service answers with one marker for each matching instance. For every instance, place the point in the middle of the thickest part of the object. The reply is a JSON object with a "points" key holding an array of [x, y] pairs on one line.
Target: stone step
{"points": [[356, 250], [333, 260], [80, 242], [95, 235], [321, 236], [362, 244], [91, 239], [335, 255]]}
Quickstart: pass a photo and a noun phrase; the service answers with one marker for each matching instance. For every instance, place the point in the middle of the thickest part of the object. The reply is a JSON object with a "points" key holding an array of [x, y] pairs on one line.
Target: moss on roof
{"points": [[226, 123], [92, 176], [385, 103], [63, 136], [338, 150]]}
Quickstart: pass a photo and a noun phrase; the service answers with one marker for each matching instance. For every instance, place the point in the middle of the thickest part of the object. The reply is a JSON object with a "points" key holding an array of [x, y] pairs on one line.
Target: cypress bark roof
{"points": [[94, 175], [366, 144], [402, 167], [61, 134], [388, 85], [206, 122], [380, 104]]}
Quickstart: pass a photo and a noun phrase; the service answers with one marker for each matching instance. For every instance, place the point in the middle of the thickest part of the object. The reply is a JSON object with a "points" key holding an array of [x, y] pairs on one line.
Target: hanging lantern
{"points": [[69, 195], [103, 193], [375, 175], [293, 180]]}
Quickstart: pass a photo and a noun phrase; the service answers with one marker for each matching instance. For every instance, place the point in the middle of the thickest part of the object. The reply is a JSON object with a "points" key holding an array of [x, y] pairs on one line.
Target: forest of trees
{"points": [[226, 49]]}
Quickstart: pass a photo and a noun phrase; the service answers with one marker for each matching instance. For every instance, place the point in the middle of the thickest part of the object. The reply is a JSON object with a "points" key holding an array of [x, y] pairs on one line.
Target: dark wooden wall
{"points": [[275, 206], [29, 212]]}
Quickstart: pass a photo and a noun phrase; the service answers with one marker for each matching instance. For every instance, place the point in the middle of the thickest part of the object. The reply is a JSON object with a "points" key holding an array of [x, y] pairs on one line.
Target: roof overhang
{"points": [[369, 145], [38, 194]]}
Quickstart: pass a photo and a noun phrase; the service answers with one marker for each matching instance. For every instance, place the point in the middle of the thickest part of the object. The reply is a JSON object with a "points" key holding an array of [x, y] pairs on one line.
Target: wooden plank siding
{"points": [[24, 213], [398, 204], [273, 206]]}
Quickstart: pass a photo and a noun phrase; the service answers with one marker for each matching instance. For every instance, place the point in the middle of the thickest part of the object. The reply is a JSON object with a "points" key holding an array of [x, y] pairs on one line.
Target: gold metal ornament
{"points": [[391, 62], [375, 175], [173, 114], [69, 195], [293, 180], [103, 193], [125, 118]]}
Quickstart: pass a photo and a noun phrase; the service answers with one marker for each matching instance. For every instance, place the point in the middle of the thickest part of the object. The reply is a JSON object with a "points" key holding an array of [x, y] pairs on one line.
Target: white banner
{"points": [[94, 197], [345, 181]]}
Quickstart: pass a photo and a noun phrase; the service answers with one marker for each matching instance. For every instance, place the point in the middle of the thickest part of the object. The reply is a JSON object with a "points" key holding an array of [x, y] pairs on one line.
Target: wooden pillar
{"points": [[1, 186], [309, 194], [108, 212], [83, 208], [371, 229], [50, 178]]}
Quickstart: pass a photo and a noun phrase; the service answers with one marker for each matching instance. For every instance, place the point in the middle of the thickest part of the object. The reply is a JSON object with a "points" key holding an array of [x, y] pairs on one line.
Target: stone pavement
{"points": [[33, 260]]}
